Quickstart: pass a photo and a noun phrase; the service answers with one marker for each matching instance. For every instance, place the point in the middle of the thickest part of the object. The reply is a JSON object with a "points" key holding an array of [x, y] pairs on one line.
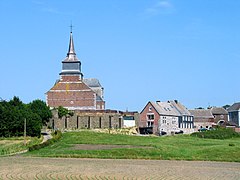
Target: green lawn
{"points": [[15, 144], [181, 147]]}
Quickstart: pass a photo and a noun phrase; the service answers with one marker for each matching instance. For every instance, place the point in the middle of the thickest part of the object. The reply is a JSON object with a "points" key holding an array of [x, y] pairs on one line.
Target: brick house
{"points": [[203, 118], [71, 90], [220, 115], [208, 118], [166, 117]]}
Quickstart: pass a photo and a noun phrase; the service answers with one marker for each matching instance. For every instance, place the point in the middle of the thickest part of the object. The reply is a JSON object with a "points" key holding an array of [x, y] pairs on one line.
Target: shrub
{"points": [[220, 133], [56, 136]]}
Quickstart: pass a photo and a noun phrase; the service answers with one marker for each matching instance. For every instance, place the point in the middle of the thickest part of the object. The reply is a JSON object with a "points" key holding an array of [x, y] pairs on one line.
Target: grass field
{"points": [[115, 146], [15, 144]]}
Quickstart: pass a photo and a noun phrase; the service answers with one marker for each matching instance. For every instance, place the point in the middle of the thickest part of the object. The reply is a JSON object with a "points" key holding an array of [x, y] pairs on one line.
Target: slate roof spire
{"points": [[71, 55], [71, 65]]}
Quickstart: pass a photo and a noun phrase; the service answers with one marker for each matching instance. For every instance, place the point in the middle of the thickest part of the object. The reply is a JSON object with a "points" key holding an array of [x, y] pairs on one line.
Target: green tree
{"points": [[226, 106], [39, 107], [16, 102], [12, 115], [64, 112]]}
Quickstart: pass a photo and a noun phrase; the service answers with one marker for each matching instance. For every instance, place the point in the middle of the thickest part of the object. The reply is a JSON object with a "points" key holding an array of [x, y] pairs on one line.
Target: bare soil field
{"points": [[19, 167]]}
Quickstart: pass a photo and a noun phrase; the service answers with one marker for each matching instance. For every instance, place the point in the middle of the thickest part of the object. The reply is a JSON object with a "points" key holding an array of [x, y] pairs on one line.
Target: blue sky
{"points": [[140, 50]]}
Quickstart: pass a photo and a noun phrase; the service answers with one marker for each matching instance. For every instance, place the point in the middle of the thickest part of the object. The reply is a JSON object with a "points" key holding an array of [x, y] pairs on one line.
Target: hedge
{"points": [[219, 133], [56, 136]]}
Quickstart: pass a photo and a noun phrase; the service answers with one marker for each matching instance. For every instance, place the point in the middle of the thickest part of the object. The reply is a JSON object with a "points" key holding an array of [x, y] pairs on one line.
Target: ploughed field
{"points": [[19, 167], [89, 144]]}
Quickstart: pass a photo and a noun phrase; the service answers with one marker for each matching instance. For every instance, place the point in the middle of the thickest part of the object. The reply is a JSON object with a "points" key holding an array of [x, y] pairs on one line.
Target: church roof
{"points": [[98, 98], [69, 86], [92, 82], [71, 55]]}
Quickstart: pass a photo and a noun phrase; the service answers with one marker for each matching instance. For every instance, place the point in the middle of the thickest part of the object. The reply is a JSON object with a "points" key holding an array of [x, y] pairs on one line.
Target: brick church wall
{"points": [[71, 99], [70, 78], [72, 93]]}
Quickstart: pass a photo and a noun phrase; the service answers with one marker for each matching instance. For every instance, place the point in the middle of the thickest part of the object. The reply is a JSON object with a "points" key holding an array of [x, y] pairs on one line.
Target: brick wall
{"points": [[71, 93], [71, 99], [149, 109], [218, 117], [68, 78], [100, 105]]}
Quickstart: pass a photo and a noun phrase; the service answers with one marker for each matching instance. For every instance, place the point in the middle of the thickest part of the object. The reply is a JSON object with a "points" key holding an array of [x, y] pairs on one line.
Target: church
{"points": [[72, 91], [84, 97]]}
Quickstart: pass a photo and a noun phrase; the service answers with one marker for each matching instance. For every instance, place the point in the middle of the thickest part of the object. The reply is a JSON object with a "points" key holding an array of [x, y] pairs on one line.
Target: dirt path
{"points": [[61, 168]]}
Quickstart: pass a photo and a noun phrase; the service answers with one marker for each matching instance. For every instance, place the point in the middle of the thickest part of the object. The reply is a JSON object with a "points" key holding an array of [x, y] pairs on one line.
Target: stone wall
{"points": [[101, 119]]}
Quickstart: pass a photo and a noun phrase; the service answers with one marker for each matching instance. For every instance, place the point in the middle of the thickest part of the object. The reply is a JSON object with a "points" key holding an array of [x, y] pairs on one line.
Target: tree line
{"points": [[14, 112]]}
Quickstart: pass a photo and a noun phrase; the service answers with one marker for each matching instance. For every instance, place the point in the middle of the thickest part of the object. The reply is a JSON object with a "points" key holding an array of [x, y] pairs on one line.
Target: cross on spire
{"points": [[71, 27]]}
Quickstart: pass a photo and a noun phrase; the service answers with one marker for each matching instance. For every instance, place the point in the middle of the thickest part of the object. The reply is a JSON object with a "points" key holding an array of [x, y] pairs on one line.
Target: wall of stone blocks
{"points": [[93, 120]]}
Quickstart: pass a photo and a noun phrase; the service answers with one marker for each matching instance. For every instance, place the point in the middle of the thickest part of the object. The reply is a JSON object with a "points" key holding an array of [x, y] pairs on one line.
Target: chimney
{"points": [[176, 101]]}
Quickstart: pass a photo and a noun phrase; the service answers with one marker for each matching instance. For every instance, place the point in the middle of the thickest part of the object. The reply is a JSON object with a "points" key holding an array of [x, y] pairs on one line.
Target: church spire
{"points": [[71, 55], [71, 50], [71, 64]]}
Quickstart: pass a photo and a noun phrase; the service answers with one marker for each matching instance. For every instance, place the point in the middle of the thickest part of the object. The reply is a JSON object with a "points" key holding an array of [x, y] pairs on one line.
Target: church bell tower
{"points": [[71, 65]]}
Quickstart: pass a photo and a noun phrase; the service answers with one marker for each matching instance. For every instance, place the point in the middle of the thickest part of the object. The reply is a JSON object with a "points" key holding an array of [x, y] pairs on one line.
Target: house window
{"points": [[150, 108], [150, 123], [128, 117], [150, 116]]}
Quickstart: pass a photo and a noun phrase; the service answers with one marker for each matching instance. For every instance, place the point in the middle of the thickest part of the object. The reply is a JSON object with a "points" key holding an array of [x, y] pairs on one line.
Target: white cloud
{"points": [[164, 4], [37, 2], [51, 10], [43, 6], [161, 7]]}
